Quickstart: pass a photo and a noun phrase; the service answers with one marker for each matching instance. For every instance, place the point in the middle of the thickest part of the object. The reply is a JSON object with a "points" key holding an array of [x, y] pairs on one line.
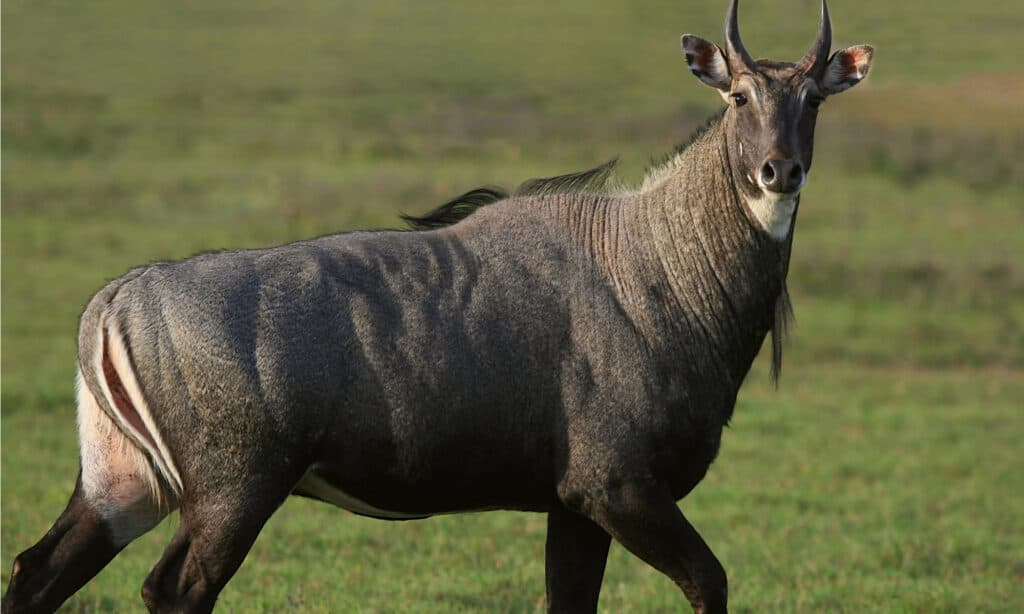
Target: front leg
{"points": [[575, 555], [644, 518]]}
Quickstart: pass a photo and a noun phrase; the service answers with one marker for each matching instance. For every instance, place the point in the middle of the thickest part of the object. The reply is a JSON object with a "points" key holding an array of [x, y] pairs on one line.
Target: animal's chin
{"points": [[774, 211]]}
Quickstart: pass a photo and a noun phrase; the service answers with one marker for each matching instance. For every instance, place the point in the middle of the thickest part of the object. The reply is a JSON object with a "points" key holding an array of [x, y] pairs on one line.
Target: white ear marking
{"points": [[706, 62], [847, 68]]}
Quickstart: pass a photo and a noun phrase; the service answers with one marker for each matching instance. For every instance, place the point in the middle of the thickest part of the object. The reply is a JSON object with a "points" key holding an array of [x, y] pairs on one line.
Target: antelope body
{"points": [[571, 352]]}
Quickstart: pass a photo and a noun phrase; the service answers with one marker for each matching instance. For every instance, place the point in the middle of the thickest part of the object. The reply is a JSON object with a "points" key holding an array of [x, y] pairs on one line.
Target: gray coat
{"points": [[532, 352]]}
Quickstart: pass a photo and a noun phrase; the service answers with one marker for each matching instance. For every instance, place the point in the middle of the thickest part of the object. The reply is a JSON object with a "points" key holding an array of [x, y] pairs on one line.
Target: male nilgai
{"points": [[562, 350]]}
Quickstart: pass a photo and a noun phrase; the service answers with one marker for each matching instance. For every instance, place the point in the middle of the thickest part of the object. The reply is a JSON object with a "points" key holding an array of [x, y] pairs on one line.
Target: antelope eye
{"points": [[739, 98]]}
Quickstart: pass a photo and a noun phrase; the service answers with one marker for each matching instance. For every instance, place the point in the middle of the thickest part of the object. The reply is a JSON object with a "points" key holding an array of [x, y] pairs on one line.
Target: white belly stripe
{"points": [[315, 485]]}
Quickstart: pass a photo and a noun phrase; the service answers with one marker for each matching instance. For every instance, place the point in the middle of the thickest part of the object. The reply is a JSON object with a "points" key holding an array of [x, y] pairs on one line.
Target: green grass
{"points": [[849, 490], [883, 475]]}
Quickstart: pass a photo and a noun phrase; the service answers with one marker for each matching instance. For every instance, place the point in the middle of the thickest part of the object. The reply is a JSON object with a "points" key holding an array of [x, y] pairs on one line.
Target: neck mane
{"points": [[719, 281], [700, 281]]}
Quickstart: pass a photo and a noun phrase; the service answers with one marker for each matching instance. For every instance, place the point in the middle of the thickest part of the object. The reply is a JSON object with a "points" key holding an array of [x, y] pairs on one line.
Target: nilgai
{"points": [[565, 349]]}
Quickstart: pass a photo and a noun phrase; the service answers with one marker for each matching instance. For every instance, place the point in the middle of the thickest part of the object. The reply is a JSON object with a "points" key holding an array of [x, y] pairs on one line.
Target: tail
{"points": [[128, 482], [114, 418]]}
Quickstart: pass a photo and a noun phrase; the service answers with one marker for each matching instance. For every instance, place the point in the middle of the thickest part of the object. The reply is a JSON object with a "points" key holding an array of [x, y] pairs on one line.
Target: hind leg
{"points": [[213, 539], [74, 550], [115, 500], [81, 542]]}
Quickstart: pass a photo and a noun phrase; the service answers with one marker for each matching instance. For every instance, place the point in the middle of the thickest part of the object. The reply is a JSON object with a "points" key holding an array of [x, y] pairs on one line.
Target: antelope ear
{"points": [[707, 61], [847, 68]]}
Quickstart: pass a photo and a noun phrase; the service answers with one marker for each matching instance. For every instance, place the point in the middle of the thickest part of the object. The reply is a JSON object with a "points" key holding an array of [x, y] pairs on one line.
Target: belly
{"points": [[379, 495]]}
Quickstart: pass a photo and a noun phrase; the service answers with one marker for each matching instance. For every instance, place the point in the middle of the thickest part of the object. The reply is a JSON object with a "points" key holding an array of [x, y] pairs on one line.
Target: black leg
{"points": [[206, 551], [74, 550], [576, 552], [645, 519]]}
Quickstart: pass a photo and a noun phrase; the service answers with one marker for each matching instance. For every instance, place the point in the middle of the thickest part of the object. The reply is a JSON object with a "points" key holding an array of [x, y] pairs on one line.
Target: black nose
{"points": [[782, 175]]}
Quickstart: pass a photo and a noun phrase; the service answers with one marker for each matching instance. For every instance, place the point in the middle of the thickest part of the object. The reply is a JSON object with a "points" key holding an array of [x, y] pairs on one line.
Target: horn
{"points": [[735, 52], [817, 58]]}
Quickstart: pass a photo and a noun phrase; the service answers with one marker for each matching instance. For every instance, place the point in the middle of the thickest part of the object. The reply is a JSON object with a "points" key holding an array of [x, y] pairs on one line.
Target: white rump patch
{"points": [[118, 354], [316, 486], [117, 478]]}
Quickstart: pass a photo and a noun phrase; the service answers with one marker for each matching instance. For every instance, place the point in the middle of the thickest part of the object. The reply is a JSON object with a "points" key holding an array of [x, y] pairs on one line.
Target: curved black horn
{"points": [[735, 52], [816, 59]]}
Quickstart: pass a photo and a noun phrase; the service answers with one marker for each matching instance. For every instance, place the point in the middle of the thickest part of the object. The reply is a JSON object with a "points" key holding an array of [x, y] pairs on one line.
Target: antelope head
{"points": [[773, 106]]}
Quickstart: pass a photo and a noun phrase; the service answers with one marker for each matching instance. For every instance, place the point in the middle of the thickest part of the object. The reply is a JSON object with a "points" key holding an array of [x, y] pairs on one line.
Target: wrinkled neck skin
{"points": [[690, 266]]}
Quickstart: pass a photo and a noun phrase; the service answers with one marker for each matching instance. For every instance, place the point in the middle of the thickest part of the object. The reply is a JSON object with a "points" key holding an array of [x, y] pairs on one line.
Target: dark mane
{"points": [[594, 180], [456, 209], [459, 208], [666, 164]]}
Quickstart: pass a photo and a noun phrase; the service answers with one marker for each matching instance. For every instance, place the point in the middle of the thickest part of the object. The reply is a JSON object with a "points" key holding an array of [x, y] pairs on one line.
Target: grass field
{"points": [[885, 473]]}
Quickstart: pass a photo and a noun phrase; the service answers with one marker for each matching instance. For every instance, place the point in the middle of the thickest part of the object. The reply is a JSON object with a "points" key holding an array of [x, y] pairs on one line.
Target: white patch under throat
{"points": [[774, 212]]}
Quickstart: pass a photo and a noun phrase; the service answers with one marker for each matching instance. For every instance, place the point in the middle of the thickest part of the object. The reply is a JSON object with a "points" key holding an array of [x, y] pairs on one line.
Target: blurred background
{"points": [[883, 475]]}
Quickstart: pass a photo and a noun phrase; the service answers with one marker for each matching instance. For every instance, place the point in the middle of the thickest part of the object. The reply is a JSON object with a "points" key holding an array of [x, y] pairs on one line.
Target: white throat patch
{"points": [[774, 212]]}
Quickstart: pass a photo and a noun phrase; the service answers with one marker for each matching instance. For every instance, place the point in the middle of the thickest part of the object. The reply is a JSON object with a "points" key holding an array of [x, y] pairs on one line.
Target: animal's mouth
{"points": [[780, 197]]}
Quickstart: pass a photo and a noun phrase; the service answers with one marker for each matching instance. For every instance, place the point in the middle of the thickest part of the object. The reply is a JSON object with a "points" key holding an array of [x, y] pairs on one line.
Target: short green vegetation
{"points": [[885, 473]]}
